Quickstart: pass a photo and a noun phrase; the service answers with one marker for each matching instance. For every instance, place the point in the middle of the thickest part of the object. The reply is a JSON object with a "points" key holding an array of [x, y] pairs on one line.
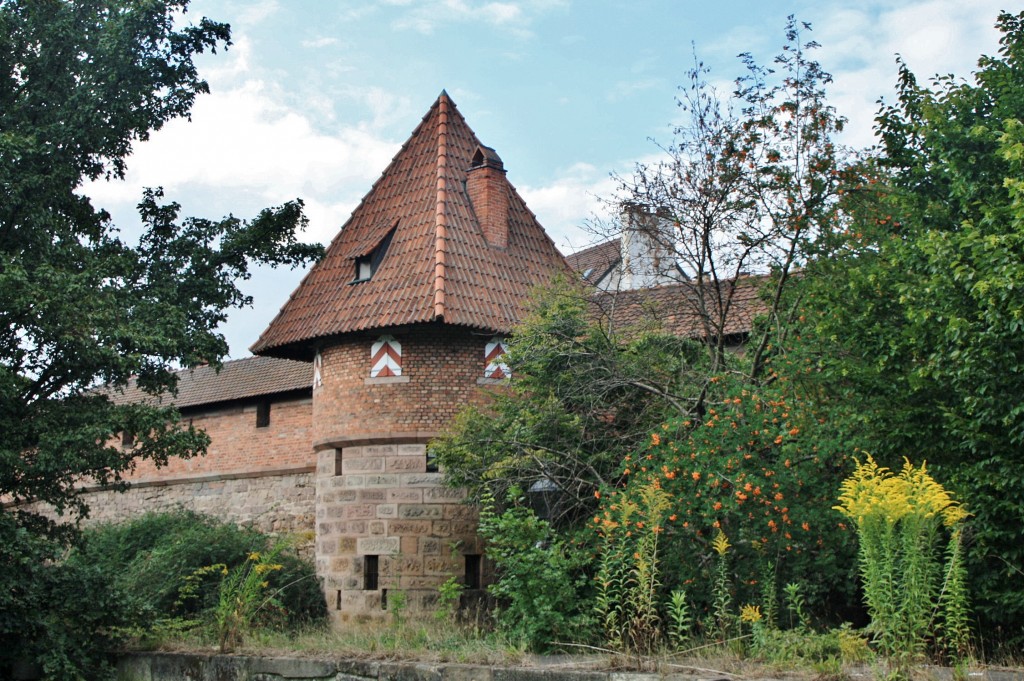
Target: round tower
{"points": [[404, 320], [385, 520]]}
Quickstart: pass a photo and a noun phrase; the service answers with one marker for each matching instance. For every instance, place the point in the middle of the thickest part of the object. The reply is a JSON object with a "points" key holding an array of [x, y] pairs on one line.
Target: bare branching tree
{"points": [[710, 238]]}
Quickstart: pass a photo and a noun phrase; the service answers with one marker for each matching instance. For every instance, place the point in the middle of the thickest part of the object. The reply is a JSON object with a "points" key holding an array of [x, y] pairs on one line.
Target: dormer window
{"points": [[367, 264]]}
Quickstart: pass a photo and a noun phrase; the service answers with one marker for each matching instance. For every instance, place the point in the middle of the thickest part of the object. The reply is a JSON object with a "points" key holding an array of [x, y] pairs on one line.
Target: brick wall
{"points": [[238, 446], [384, 521], [441, 369], [489, 196]]}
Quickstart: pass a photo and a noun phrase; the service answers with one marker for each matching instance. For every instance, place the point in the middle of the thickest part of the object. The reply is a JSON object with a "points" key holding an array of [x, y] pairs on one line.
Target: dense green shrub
{"points": [[149, 558], [541, 587], [56, 616]]}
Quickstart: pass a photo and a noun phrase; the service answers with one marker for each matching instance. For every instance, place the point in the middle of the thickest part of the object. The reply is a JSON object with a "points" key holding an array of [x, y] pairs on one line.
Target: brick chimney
{"points": [[488, 194]]}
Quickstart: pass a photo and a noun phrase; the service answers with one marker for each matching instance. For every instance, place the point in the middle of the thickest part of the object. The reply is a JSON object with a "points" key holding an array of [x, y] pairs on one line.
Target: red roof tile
{"points": [[597, 261], [438, 267], [685, 309], [238, 379]]}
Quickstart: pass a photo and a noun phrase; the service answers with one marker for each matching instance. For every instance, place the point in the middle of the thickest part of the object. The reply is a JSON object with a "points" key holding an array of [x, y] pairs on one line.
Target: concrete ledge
{"points": [[386, 380], [208, 477], [417, 437], [209, 667]]}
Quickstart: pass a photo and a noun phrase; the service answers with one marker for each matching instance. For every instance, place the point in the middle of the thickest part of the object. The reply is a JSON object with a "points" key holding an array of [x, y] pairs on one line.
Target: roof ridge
{"points": [[441, 214]]}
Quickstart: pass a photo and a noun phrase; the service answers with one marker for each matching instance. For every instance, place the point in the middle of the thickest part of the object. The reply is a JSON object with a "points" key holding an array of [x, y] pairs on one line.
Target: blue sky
{"points": [[316, 96]]}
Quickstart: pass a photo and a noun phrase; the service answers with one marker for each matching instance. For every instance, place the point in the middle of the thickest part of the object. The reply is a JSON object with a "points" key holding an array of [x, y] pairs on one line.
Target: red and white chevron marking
{"points": [[386, 357], [318, 376], [493, 352]]}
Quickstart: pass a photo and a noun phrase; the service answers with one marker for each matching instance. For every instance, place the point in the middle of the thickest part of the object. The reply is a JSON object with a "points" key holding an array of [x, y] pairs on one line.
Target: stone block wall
{"points": [[279, 502], [384, 524]]}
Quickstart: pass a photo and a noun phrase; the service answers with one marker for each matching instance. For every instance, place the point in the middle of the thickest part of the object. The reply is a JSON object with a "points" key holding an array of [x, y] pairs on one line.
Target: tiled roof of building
{"points": [[237, 379], [594, 263], [438, 267], [681, 310]]}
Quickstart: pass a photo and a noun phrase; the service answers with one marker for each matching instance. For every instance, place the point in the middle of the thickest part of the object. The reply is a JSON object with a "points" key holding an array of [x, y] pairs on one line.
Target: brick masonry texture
{"points": [[238, 446], [440, 370], [379, 500], [374, 495]]}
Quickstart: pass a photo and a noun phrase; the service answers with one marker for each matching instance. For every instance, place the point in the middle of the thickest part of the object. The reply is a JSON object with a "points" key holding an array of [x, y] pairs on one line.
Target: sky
{"points": [[314, 97]]}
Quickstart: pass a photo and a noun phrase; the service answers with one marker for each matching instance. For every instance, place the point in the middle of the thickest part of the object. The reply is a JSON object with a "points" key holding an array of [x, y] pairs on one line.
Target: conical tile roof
{"points": [[437, 266]]}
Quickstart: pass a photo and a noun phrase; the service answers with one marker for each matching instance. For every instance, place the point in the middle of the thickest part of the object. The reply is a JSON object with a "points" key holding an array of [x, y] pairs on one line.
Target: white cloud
{"points": [[244, 150], [428, 15], [934, 36], [568, 204], [625, 89], [256, 12], [319, 42]]}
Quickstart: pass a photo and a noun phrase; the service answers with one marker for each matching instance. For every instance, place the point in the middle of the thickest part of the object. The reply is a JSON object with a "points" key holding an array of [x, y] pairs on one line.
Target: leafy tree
{"points": [[918, 328], [80, 83], [580, 399]]}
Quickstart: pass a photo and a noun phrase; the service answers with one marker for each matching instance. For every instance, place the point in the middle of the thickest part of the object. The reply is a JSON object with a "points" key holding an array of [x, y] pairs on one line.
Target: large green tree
{"points": [[917, 319], [80, 305]]}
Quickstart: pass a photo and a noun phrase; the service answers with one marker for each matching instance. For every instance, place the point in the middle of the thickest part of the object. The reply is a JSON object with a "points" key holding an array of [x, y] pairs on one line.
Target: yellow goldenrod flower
{"points": [[750, 614], [720, 544]]}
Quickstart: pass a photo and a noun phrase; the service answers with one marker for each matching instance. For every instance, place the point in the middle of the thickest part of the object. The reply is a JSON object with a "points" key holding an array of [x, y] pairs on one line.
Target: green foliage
{"points": [[954, 638], [721, 588], [540, 586], [242, 595], [62, 617], [577, 403], [448, 598], [81, 82], [629, 573], [679, 618], [754, 469], [920, 310], [398, 602], [151, 558], [796, 606], [835, 647]]}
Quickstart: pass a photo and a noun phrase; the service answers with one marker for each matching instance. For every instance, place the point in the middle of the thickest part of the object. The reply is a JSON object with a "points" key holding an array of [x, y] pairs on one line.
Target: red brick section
{"points": [[238, 446], [438, 247], [441, 367], [489, 196]]}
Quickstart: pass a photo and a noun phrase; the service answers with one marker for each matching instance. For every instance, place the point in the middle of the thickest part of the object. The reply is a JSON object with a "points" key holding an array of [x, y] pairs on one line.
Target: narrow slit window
{"points": [[371, 572], [263, 414], [472, 570], [431, 462]]}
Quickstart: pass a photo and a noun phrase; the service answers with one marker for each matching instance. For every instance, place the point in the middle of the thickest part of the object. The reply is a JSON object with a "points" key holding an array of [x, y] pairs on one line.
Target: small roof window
{"points": [[366, 265]]}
